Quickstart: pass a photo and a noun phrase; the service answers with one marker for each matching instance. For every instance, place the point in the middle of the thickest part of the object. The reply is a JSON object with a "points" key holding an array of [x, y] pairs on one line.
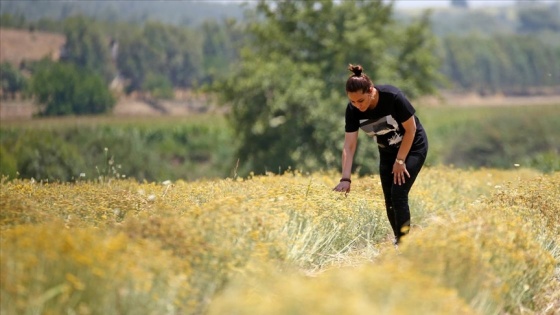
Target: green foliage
{"points": [[198, 49], [64, 89], [547, 161], [87, 47], [220, 47], [8, 162], [187, 13], [159, 86], [12, 20], [415, 65], [165, 148], [289, 86], [46, 157], [278, 130], [499, 137], [153, 151], [501, 64], [11, 80], [170, 52], [535, 19], [162, 50]]}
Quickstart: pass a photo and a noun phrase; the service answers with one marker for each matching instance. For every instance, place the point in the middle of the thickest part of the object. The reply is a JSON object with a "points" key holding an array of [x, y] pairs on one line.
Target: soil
{"points": [[473, 99], [19, 45], [185, 103]]}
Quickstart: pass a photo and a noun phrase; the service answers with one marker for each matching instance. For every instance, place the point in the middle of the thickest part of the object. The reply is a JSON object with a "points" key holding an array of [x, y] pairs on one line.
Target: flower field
{"points": [[482, 242]]}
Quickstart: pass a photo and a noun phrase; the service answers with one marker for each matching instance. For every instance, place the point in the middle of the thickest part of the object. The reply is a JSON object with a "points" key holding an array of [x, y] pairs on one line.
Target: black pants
{"points": [[396, 196]]}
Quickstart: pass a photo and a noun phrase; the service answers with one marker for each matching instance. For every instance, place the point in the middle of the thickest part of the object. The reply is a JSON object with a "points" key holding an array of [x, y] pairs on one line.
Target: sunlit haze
{"points": [[411, 4]]}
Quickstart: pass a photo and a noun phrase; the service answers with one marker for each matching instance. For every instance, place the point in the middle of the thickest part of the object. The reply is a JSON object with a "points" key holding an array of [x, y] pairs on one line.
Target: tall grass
{"points": [[60, 149], [498, 137], [161, 148], [483, 241]]}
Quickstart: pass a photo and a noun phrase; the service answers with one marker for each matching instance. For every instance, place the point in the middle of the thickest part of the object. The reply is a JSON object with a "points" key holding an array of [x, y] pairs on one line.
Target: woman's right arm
{"points": [[350, 142]]}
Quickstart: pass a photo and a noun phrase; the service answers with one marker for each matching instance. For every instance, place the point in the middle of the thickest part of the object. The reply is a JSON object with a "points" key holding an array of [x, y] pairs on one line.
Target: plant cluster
{"points": [[483, 241], [72, 149], [152, 149]]}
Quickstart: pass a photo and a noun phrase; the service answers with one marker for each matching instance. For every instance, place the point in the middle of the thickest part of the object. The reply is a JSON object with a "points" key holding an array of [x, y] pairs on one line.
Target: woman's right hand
{"points": [[343, 187]]}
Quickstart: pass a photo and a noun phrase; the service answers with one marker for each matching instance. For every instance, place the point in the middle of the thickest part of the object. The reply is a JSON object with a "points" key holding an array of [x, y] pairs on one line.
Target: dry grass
{"points": [[19, 45], [484, 242]]}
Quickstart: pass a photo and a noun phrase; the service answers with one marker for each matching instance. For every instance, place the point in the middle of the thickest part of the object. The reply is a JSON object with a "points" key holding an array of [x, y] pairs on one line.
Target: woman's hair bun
{"points": [[357, 70], [358, 81]]}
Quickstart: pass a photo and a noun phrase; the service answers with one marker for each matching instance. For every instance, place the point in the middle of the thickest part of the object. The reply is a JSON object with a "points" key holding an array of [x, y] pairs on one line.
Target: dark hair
{"points": [[358, 81]]}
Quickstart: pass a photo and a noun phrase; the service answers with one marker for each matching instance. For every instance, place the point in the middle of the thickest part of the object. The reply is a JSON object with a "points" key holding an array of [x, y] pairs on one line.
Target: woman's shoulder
{"points": [[388, 89], [350, 110]]}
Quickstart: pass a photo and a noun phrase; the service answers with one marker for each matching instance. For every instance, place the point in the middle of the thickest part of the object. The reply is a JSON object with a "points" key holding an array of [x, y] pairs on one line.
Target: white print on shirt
{"points": [[395, 139], [382, 126]]}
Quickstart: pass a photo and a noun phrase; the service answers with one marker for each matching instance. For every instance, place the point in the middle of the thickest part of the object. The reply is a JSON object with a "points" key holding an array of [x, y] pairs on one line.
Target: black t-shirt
{"points": [[384, 122]]}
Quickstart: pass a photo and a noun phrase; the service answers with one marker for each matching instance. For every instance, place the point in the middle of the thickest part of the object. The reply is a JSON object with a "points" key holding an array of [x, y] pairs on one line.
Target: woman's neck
{"points": [[374, 99]]}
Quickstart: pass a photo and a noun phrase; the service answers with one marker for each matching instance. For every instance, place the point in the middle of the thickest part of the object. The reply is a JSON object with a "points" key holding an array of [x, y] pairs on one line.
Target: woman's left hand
{"points": [[399, 173]]}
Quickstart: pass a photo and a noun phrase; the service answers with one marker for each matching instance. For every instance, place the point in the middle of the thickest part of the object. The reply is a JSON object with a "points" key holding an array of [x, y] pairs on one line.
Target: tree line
{"points": [[181, 13], [508, 64], [153, 58], [281, 70], [158, 57]]}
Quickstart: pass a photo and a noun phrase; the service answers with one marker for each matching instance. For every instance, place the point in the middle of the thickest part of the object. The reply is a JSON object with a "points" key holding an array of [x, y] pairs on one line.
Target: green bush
{"points": [[11, 80], [64, 89], [144, 152], [47, 156], [159, 86], [8, 163], [204, 147], [500, 137]]}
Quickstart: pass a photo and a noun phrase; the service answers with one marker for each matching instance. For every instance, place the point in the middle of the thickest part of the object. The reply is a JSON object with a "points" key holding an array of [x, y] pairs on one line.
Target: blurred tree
{"points": [[12, 80], [159, 86], [12, 20], [47, 157], [220, 48], [65, 89], [134, 59], [164, 50], [8, 162], [87, 47], [510, 64], [49, 25], [287, 92], [534, 19], [412, 66]]}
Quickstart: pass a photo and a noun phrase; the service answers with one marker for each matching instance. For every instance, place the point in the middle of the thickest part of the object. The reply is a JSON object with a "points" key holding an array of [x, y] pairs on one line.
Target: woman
{"points": [[384, 113]]}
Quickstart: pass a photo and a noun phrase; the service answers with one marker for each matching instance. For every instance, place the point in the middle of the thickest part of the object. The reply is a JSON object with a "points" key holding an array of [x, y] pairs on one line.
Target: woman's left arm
{"points": [[399, 170]]}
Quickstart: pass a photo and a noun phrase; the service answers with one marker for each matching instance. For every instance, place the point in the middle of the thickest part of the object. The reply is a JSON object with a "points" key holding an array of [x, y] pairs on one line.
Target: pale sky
{"points": [[410, 4]]}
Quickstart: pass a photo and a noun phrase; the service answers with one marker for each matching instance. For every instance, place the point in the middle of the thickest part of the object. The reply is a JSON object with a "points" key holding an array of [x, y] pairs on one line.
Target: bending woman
{"points": [[385, 114]]}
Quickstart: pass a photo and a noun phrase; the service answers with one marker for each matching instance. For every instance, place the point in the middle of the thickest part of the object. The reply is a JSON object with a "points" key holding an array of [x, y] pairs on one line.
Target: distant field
{"points": [[192, 104], [204, 145], [186, 105], [19, 45]]}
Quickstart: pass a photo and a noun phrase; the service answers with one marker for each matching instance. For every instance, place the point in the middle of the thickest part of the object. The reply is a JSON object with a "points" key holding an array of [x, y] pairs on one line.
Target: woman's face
{"points": [[361, 100]]}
